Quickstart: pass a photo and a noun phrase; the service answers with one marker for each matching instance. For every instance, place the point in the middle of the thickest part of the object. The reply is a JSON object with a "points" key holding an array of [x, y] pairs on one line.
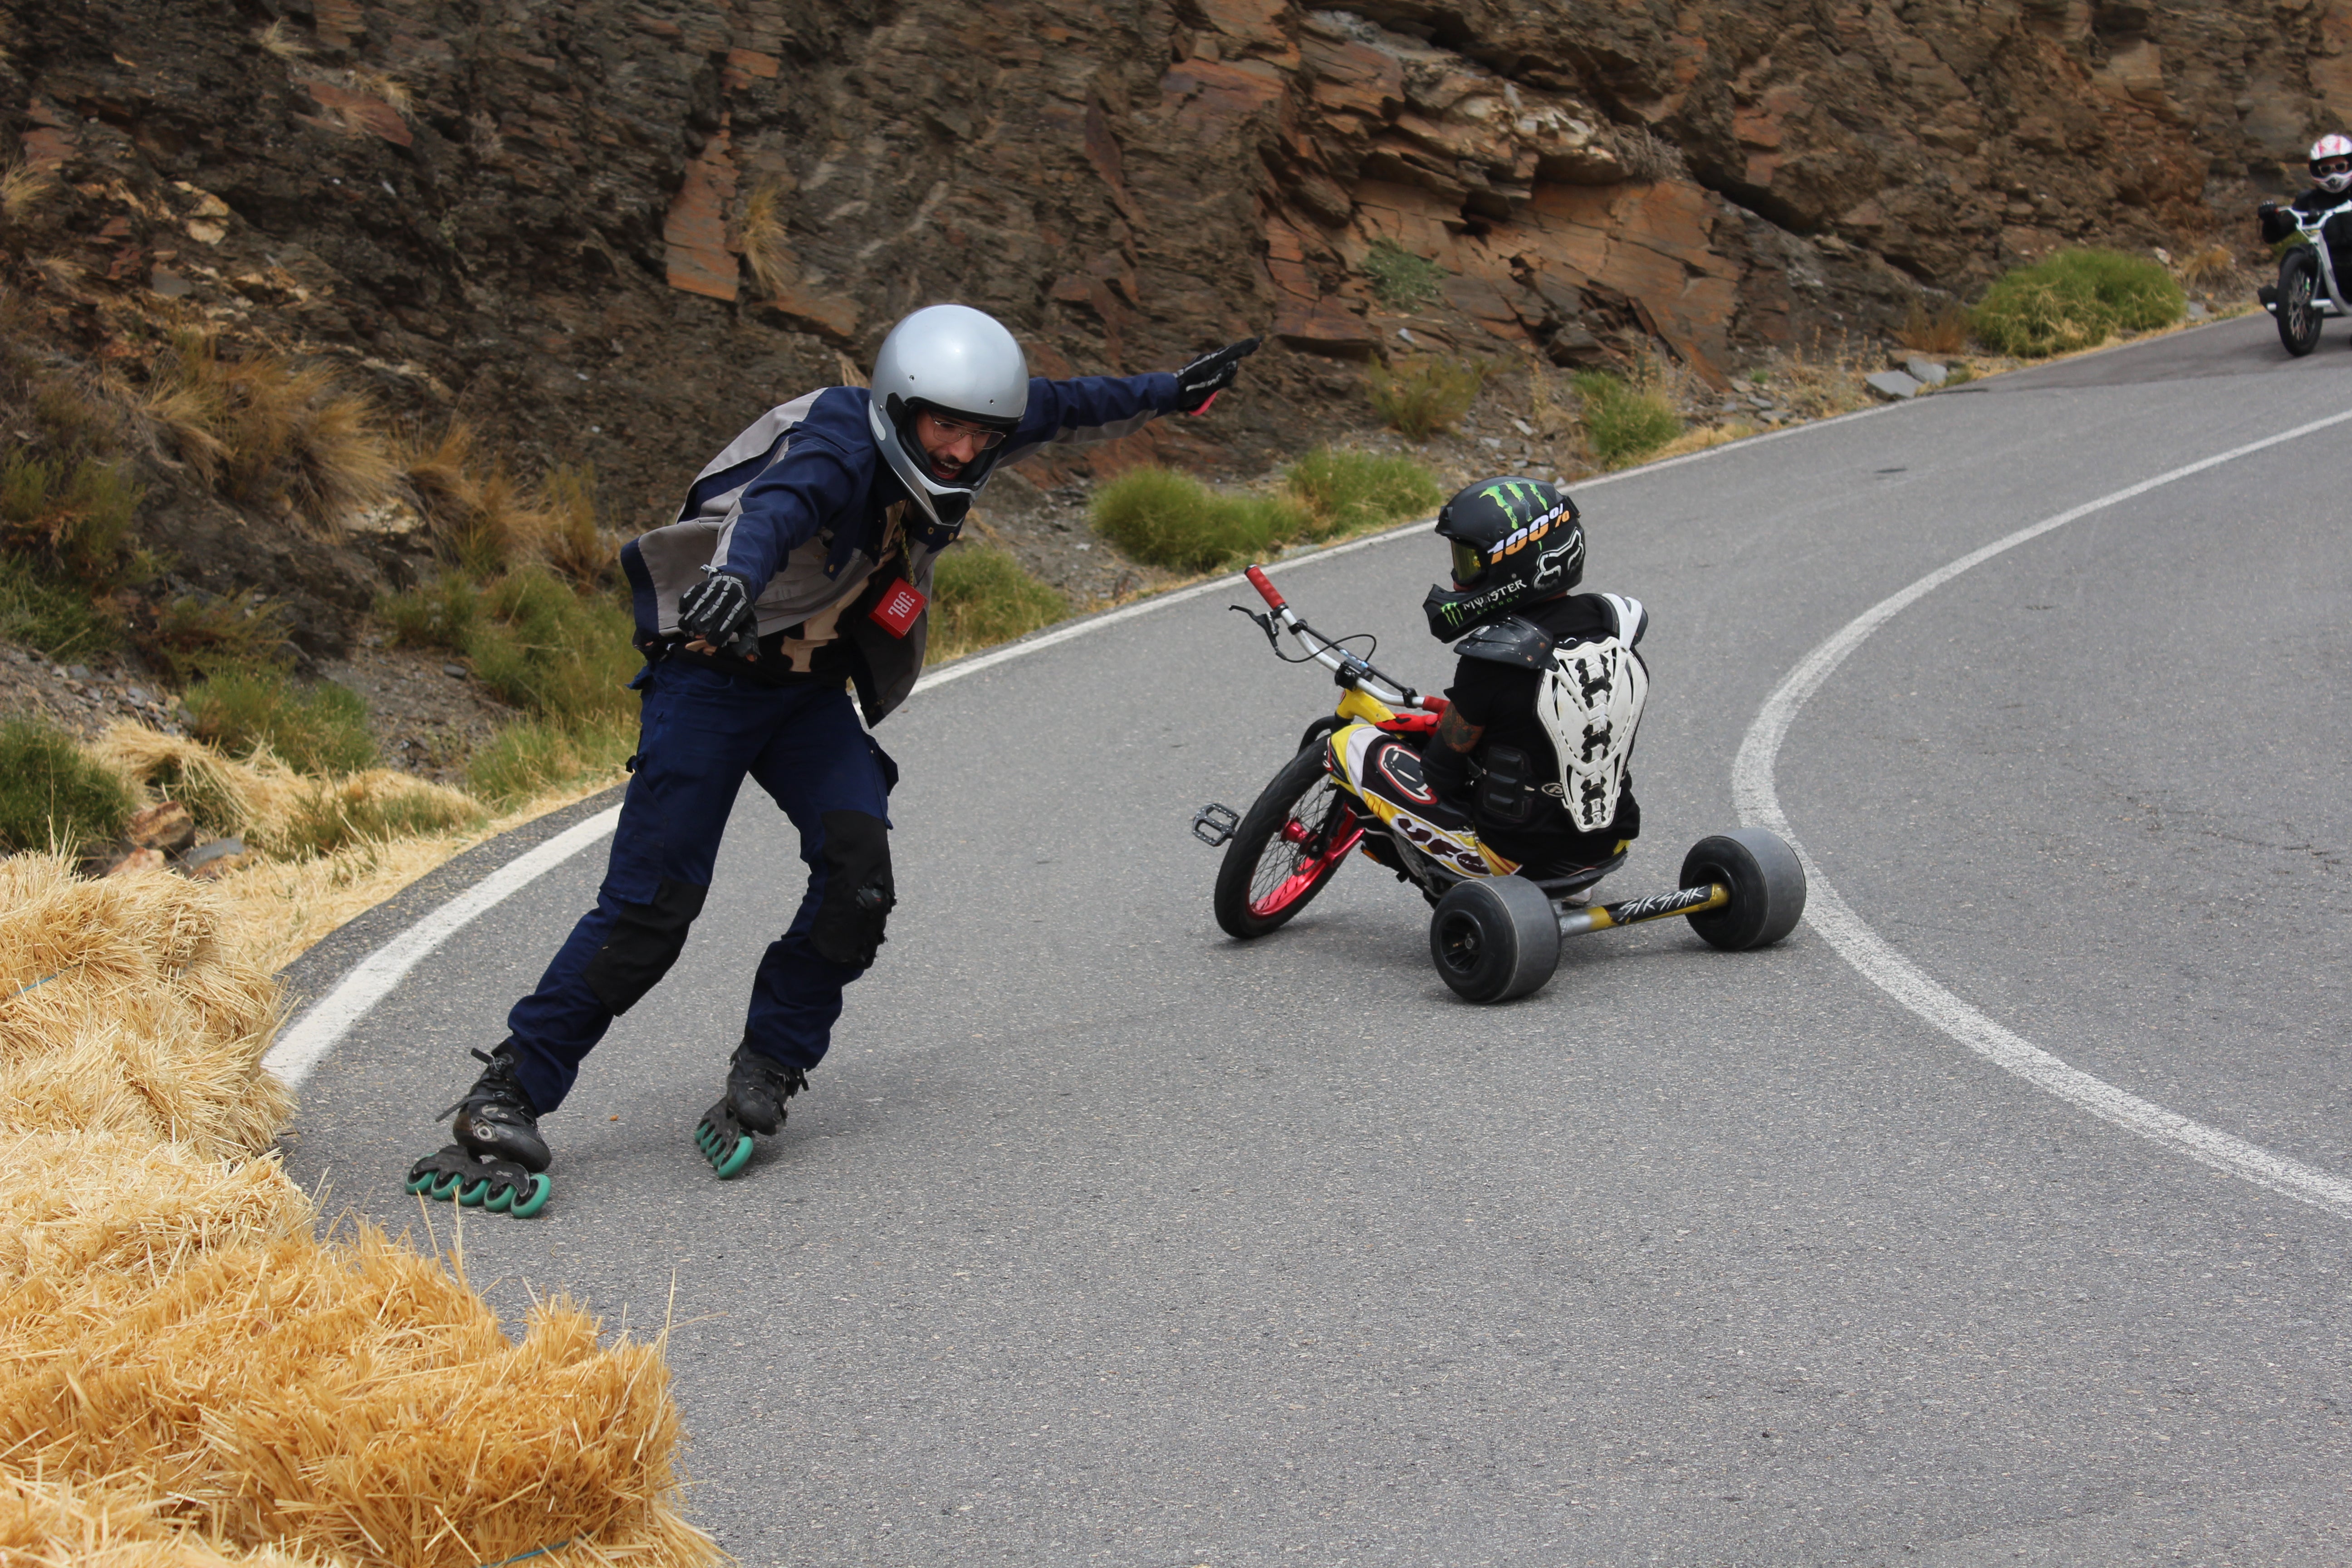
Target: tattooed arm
{"points": [[1446, 761]]}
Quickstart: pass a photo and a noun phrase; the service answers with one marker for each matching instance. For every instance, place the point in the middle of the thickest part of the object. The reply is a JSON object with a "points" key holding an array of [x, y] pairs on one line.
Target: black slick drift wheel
{"points": [[1767, 882], [1495, 938], [2298, 301], [1290, 843]]}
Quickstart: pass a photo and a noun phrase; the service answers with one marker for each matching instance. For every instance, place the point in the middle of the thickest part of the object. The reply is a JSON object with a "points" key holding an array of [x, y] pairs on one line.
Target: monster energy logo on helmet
{"points": [[1516, 540]]}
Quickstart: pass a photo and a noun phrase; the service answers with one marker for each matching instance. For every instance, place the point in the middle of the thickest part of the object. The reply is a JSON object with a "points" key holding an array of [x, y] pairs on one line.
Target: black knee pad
{"points": [[858, 892], [645, 941]]}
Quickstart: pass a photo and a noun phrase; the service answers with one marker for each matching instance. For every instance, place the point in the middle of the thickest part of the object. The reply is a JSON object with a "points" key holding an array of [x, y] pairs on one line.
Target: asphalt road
{"points": [[1102, 1238]]}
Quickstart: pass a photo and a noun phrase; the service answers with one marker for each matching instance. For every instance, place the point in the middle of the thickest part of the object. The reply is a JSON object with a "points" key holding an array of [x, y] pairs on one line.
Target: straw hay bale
{"points": [[193, 1378], [81, 1205], [64, 1525], [121, 1011], [361, 1403]]}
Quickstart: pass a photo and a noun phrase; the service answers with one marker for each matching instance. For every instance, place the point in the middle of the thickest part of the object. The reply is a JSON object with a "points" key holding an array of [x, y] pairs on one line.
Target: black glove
{"points": [[1198, 384], [2273, 223], [718, 610]]}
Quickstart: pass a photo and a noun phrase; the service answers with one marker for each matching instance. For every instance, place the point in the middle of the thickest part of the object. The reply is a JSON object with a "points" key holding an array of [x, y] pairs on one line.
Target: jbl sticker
{"points": [[900, 604]]}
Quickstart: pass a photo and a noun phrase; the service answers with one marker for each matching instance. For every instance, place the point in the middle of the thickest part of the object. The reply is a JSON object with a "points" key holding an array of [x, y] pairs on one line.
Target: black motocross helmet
{"points": [[1516, 543]]}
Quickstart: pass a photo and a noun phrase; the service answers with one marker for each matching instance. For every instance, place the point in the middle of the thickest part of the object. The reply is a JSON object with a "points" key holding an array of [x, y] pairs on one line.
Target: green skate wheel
{"points": [[416, 1184], [471, 1194], [736, 1159], [443, 1188], [525, 1205], [503, 1199]]}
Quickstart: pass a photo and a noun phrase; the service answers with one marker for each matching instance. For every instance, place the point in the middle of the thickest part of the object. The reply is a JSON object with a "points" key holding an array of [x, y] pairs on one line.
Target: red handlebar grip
{"points": [[1435, 704], [1265, 588]]}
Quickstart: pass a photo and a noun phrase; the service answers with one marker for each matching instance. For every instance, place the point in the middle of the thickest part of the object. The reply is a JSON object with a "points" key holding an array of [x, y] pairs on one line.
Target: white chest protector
{"points": [[1590, 703]]}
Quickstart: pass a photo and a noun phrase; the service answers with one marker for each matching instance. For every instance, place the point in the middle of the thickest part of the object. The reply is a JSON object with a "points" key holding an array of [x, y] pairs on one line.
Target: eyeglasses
{"points": [[2333, 166], [957, 430]]}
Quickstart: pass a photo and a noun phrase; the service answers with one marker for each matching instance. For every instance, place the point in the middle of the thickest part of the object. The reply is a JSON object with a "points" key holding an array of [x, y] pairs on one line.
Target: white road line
{"points": [[313, 1034], [310, 1038], [1757, 798]]}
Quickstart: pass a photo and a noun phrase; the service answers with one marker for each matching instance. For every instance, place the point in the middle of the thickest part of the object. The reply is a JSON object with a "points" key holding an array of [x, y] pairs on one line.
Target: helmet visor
{"points": [[1469, 563]]}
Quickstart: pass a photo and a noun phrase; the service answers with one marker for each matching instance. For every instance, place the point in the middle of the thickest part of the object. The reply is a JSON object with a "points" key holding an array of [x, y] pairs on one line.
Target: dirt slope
{"points": [[610, 231]]}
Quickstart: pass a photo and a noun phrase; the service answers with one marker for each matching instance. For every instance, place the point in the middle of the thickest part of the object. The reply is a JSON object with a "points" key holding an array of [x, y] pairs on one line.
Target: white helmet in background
{"points": [[2336, 153], [954, 361]]}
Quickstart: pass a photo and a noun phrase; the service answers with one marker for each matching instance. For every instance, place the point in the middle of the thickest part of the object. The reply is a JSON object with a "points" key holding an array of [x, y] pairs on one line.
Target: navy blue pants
{"points": [[704, 731]]}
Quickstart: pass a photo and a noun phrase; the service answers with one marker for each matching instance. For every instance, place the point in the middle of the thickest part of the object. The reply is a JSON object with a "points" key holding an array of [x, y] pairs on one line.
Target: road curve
{"points": [[1103, 1238]]}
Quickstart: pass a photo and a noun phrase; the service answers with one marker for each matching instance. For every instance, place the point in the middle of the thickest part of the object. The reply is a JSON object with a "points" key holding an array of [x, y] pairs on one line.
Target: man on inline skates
{"points": [[1535, 746], [800, 564]]}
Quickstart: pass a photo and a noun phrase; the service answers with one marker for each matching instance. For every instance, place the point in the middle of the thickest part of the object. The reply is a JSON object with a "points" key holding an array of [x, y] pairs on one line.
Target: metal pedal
{"points": [[1214, 825]]}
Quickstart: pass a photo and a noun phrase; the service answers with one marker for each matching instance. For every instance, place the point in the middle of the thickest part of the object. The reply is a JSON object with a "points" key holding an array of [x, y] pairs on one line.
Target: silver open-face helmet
{"points": [[961, 365]]}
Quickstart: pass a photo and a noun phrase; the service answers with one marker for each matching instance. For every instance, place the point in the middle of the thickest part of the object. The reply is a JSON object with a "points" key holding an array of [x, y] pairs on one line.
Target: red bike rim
{"points": [[1308, 870]]}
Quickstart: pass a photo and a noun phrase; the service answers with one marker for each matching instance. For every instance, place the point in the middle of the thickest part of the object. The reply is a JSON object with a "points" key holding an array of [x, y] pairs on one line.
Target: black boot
{"points": [[757, 1087], [496, 1119]]}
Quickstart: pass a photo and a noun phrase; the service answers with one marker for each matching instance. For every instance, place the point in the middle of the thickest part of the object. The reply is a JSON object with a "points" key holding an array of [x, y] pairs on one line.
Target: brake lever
{"points": [[1265, 624]]}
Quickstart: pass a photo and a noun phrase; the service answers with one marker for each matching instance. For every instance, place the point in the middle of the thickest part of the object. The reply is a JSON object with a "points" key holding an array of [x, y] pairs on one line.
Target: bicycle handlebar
{"points": [[1345, 667]]}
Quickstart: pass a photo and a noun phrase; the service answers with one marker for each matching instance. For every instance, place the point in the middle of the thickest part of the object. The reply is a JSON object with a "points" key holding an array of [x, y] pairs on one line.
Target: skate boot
{"points": [[757, 1087], [499, 1160]]}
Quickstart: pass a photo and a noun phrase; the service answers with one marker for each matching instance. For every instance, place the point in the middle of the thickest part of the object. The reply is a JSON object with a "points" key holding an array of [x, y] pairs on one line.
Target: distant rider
{"points": [[1535, 745], [2331, 171], [800, 564]]}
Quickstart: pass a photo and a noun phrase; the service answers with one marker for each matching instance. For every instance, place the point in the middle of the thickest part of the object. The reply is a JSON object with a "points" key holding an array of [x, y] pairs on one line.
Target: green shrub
{"points": [[1623, 423], [199, 633], [51, 794], [320, 731], [536, 754], [439, 613], [77, 513], [545, 648], [1163, 517], [2076, 300], [1401, 280], [531, 638], [39, 613], [1424, 396], [326, 819], [1344, 492], [981, 596]]}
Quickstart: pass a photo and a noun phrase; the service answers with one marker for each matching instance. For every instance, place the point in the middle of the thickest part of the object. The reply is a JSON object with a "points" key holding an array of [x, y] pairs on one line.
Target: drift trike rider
{"points": [[800, 565], [1529, 768]]}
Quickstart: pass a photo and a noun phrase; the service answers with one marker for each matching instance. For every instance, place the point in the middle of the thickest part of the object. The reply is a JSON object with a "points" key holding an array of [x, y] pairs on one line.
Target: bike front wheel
{"points": [[1289, 845], [2298, 301]]}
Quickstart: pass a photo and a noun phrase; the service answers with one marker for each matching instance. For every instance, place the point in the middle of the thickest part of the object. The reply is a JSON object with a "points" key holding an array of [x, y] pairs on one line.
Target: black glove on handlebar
{"points": [[1198, 384], [718, 610]]}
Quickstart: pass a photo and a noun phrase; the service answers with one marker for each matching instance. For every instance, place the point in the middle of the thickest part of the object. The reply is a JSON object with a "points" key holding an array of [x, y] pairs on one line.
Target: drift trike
{"points": [[1494, 935]]}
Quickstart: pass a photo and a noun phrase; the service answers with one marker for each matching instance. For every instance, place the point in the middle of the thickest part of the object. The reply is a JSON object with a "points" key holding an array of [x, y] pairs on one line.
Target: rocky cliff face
{"points": [[611, 230]]}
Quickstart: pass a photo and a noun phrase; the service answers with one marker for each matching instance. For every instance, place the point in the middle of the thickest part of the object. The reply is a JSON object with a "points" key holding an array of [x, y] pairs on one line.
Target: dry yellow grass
{"points": [[489, 523], [285, 904], [195, 1377], [265, 425], [1699, 437], [259, 797], [23, 189], [765, 246], [278, 40]]}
